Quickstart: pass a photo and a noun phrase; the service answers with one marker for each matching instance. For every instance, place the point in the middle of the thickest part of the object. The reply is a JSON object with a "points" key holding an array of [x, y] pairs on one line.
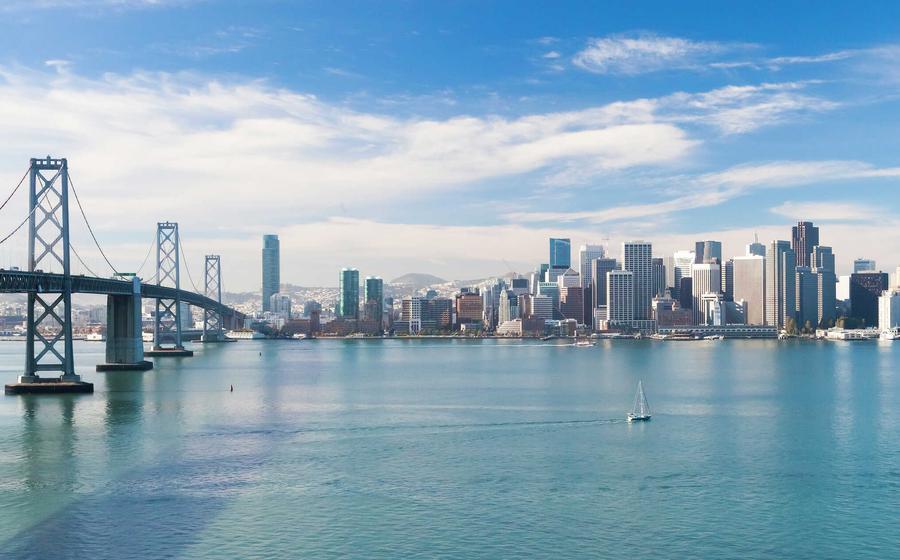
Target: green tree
{"points": [[790, 326]]}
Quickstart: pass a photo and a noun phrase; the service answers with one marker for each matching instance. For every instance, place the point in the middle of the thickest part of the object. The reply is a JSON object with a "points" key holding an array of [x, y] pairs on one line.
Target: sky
{"points": [[455, 137]]}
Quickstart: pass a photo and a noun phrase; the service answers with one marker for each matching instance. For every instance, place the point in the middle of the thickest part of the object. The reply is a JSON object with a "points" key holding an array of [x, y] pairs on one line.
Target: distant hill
{"points": [[418, 280]]}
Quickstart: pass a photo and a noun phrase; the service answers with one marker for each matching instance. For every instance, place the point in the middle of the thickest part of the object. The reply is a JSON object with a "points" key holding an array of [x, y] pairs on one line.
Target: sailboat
{"points": [[641, 410]]}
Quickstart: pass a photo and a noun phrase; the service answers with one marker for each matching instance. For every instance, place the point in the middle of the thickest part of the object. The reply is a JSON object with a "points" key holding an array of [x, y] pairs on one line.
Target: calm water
{"points": [[454, 449]]}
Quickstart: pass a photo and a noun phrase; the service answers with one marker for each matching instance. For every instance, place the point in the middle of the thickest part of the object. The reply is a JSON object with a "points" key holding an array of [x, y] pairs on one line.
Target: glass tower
{"points": [[374, 299], [271, 270], [348, 302], [560, 253]]}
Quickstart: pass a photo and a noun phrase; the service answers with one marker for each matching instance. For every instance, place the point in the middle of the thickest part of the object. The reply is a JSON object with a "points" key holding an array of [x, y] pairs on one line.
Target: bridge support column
{"points": [[124, 339], [167, 329], [213, 330], [48, 346]]}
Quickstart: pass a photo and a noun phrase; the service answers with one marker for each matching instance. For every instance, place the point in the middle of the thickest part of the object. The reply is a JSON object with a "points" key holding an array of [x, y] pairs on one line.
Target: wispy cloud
{"points": [[832, 211], [643, 53]]}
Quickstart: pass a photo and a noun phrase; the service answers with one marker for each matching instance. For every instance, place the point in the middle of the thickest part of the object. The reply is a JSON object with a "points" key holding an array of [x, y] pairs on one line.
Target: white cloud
{"points": [[638, 54], [832, 211]]}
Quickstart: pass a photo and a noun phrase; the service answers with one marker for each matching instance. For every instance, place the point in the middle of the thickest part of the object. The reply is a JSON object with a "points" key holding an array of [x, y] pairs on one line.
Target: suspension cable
{"points": [[146, 258], [77, 256], [8, 198], [188, 268], [88, 224], [23, 222]]}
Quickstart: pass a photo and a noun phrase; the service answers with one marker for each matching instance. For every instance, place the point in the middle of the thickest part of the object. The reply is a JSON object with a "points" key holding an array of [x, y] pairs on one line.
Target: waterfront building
{"points": [[511, 328], [865, 289], [437, 314], [637, 258], [374, 299], [706, 252], [750, 287], [658, 287], [411, 314], [348, 294], [667, 312], [469, 308], [806, 289], [682, 262], [728, 280], [706, 278], [620, 297], [586, 256], [864, 265], [712, 306], [826, 301], [889, 310], [560, 253], [280, 304], [780, 284], [804, 236], [271, 269]]}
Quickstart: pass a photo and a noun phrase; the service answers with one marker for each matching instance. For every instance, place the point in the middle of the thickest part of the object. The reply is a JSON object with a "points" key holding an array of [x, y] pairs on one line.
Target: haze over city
{"points": [[455, 140]]}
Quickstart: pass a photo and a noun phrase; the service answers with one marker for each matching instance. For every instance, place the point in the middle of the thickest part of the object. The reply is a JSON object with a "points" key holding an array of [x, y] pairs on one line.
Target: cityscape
{"points": [[776, 289]]}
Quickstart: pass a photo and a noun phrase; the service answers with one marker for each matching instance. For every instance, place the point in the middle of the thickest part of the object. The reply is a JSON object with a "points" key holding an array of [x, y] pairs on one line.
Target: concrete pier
{"points": [[169, 352], [124, 340], [31, 385]]}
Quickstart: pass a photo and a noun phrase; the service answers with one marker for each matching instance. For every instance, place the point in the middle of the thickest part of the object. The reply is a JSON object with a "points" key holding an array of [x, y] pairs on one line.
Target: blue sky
{"points": [[455, 137]]}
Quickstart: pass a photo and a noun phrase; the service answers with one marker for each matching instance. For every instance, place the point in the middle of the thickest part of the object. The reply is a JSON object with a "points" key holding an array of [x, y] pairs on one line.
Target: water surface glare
{"points": [[460, 449]]}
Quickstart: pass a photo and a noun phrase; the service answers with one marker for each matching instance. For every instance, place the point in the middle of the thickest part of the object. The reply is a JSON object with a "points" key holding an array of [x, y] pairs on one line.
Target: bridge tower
{"points": [[213, 328], [49, 324], [167, 327]]}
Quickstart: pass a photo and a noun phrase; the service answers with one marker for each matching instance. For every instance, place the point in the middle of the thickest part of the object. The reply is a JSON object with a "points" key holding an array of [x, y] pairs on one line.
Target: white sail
{"points": [[641, 409]]}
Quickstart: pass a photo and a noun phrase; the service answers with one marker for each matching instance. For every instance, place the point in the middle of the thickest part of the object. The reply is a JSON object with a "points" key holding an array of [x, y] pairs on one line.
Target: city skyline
{"points": [[452, 144]]}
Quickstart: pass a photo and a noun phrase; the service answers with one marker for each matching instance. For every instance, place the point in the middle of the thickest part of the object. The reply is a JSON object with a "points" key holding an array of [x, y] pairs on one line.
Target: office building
{"points": [[806, 290], [826, 304], [659, 285], [822, 257], [571, 303], [780, 284], [519, 286], [373, 299], [728, 280], [509, 306], [599, 268], [280, 304], [864, 265], [712, 310], [865, 289], [437, 314], [686, 293], [756, 248], [560, 253], [551, 290], [411, 314], [271, 270], [586, 256], [620, 297], [706, 252], [889, 310], [682, 263], [637, 258], [804, 236], [542, 307], [568, 279], [348, 294], [750, 287], [469, 308], [706, 278]]}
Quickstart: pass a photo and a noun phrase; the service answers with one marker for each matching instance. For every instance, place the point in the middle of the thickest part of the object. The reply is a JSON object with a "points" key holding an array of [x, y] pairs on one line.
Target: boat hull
{"points": [[633, 418]]}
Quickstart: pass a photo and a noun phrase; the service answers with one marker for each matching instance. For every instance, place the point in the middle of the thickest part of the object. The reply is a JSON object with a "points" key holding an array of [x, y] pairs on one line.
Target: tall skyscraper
{"points": [[756, 248], [750, 287], [780, 283], [560, 253], [683, 260], [807, 297], [865, 289], [659, 278], [374, 299], [348, 302], [637, 258], [728, 280], [804, 236], [826, 304], [599, 268], [708, 252], [620, 297], [706, 279], [889, 310], [586, 255], [822, 257], [271, 270]]}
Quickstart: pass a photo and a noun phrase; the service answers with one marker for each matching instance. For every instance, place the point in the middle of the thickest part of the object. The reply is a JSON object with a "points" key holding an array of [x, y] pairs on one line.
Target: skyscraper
{"points": [[620, 297], [780, 284], [348, 302], [807, 297], [637, 258], [560, 253], [728, 280], [683, 260], [804, 236], [750, 287], [864, 265], [756, 248], [865, 289], [586, 255], [659, 277], [707, 252], [706, 279], [822, 257], [374, 299], [271, 270], [599, 268]]}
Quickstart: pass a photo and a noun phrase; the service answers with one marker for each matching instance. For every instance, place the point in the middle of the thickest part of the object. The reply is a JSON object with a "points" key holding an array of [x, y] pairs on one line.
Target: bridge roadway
{"points": [[15, 281]]}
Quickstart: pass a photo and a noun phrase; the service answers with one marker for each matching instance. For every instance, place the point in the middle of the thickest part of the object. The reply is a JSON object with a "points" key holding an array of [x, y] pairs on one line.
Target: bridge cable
{"points": [[25, 221], [146, 258], [188, 269], [90, 229], [8, 198], [77, 256]]}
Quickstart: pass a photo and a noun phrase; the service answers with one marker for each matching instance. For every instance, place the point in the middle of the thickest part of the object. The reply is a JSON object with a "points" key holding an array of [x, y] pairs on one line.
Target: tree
{"points": [[808, 327], [790, 326]]}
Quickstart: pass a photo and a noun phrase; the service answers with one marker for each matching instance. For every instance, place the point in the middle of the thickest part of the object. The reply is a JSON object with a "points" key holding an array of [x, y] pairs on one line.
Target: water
{"points": [[461, 449]]}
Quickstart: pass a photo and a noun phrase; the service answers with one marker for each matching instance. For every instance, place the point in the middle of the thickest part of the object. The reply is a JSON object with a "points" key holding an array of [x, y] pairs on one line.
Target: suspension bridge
{"points": [[49, 359]]}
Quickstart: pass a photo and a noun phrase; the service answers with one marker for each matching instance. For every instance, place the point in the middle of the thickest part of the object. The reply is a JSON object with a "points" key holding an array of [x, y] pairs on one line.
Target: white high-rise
{"points": [[586, 254], [637, 258], [780, 284], [682, 263], [620, 296], [889, 310], [706, 278], [750, 287]]}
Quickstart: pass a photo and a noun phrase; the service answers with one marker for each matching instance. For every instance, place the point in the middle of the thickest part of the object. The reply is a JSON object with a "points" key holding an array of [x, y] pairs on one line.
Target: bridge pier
{"points": [[167, 328], [124, 340]]}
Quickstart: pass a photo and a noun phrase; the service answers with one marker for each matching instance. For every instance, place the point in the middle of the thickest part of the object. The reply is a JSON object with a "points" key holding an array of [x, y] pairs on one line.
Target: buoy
{"points": [[232, 388]]}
